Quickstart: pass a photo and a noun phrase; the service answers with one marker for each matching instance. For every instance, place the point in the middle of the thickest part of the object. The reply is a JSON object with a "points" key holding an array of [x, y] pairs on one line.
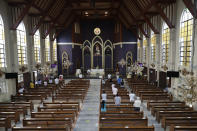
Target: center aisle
{"points": [[89, 115]]}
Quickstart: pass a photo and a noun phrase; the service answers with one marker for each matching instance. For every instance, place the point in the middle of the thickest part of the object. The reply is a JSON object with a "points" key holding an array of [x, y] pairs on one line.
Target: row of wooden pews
{"points": [[173, 115], [49, 116], [123, 117]]}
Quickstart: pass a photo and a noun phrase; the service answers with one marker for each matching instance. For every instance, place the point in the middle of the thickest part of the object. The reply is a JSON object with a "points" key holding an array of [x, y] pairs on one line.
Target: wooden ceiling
{"points": [[132, 13]]}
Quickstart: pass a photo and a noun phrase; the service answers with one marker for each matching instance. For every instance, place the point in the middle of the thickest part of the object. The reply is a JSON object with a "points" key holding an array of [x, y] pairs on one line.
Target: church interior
{"points": [[98, 65]]}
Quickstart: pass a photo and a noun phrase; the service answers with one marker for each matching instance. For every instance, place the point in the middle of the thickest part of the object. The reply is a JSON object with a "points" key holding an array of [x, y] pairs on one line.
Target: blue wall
{"points": [[87, 33]]}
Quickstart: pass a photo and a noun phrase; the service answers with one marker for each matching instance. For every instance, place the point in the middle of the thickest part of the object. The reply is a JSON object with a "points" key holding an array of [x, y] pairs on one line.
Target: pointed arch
{"points": [[2, 44], [21, 44], [37, 51], [186, 38]]}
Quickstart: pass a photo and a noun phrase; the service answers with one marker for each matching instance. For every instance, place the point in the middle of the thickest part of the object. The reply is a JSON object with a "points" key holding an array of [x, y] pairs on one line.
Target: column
{"points": [[158, 55], [148, 59]]}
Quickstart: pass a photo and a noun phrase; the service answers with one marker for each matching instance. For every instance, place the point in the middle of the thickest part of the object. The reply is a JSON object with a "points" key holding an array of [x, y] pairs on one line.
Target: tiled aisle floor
{"points": [[89, 115]]}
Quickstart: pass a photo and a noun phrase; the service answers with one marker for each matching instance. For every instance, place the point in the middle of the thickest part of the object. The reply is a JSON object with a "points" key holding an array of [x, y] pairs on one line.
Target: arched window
{"points": [[55, 50], [185, 40], [2, 44], [37, 46], [47, 49], [21, 44], [153, 46], [165, 42], [144, 48]]}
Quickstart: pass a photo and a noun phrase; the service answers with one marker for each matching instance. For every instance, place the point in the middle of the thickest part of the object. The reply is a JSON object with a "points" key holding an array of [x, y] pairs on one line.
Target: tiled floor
{"points": [[89, 115]]}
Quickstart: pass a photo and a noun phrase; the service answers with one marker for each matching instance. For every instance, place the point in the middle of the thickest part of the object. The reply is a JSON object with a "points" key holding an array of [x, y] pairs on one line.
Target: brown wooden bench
{"points": [[28, 105], [160, 103], [47, 122], [39, 128], [11, 115], [21, 110], [179, 121], [161, 114], [5, 122], [27, 98], [183, 128], [62, 103], [127, 128], [123, 122]]}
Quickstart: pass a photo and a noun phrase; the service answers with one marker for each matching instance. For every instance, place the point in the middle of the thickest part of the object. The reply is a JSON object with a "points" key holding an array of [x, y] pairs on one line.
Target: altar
{"points": [[97, 72]]}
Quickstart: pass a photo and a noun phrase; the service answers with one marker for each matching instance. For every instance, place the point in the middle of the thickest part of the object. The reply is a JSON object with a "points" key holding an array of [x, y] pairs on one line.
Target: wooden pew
{"points": [[11, 115], [183, 128], [46, 122], [39, 128], [5, 122], [169, 108], [163, 114], [179, 121], [27, 98], [62, 103], [160, 103], [28, 105], [21, 110], [123, 122], [127, 128]]}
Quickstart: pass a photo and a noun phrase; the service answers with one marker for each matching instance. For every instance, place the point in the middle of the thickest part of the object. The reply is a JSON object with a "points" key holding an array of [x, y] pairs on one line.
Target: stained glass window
{"points": [[47, 49], [21, 44], [153, 46], [37, 47], [185, 38], [2, 44], [55, 50], [165, 42]]}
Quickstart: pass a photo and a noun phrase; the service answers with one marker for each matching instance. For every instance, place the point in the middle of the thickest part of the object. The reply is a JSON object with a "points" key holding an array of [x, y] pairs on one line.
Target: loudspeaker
{"points": [[172, 74], [11, 75]]}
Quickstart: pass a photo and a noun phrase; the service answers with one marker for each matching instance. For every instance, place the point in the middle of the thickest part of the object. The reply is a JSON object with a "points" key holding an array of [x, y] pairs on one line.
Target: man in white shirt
{"points": [[56, 81], [104, 96], [115, 91], [117, 100], [132, 97], [109, 76], [137, 104], [45, 83]]}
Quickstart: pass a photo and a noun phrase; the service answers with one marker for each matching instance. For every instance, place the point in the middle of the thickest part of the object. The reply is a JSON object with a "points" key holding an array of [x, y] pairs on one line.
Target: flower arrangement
{"points": [[164, 67], [153, 65]]}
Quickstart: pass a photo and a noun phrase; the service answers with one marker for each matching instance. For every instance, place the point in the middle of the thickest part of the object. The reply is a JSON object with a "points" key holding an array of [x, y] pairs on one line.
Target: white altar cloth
{"points": [[97, 72]]}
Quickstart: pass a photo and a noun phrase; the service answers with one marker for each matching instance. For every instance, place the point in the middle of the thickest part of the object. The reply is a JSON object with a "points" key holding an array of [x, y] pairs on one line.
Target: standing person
{"points": [[132, 97], [103, 106], [117, 100], [114, 91], [104, 96], [137, 104], [56, 81], [31, 84], [122, 84]]}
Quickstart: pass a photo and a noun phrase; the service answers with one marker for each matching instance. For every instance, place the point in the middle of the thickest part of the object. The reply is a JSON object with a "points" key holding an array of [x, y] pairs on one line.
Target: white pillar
{"points": [[148, 58], [158, 55]]}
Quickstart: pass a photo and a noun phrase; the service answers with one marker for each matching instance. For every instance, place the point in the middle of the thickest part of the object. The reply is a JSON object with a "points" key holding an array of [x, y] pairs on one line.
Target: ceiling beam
{"points": [[145, 17], [191, 7], [52, 26], [22, 15], [163, 16], [133, 31], [66, 24], [134, 19], [44, 14]]}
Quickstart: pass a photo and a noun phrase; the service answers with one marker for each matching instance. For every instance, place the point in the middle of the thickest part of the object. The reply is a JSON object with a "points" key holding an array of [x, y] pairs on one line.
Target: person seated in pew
{"points": [[50, 81], [117, 100], [31, 84], [56, 81], [114, 91], [21, 89], [103, 81], [104, 96], [45, 83], [137, 104], [122, 84], [39, 82], [119, 80], [109, 76], [103, 106], [132, 97]]}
